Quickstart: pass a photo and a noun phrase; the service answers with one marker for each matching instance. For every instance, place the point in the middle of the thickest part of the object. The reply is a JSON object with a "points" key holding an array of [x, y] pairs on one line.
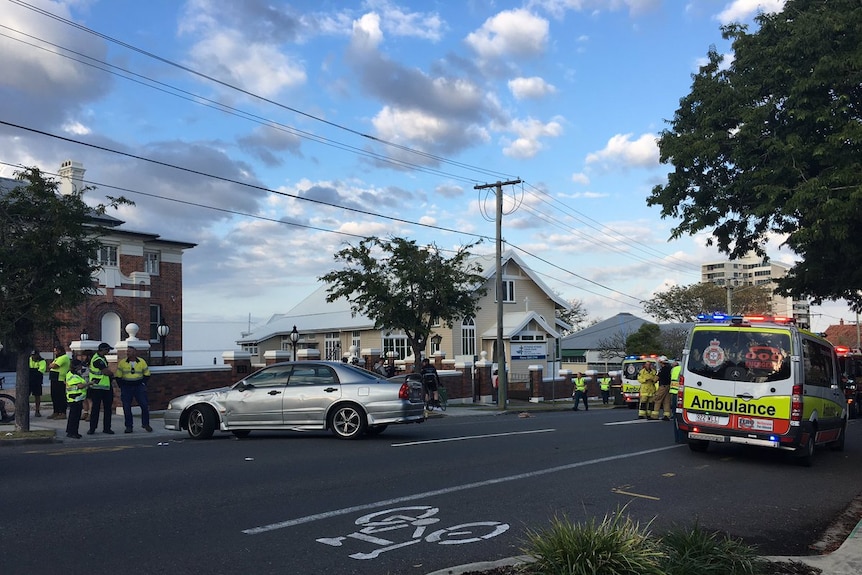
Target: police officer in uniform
{"points": [[132, 376], [100, 392], [76, 393], [580, 391], [605, 387]]}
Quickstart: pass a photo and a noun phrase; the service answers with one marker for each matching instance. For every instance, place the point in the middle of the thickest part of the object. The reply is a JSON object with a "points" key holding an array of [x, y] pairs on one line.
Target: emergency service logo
{"points": [[713, 356]]}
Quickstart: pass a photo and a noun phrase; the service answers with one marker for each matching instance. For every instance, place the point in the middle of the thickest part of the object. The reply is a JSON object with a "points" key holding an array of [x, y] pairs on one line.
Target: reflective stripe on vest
{"points": [[580, 384], [73, 392], [605, 383], [674, 378], [97, 378], [132, 375]]}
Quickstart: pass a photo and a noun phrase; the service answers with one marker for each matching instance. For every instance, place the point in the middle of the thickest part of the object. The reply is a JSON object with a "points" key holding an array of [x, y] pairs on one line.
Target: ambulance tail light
{"points": [[796, 405], [679, 393]]}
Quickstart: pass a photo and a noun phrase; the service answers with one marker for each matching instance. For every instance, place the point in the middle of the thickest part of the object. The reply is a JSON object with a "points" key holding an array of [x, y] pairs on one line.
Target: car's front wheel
{"points": [[202, 422], [347, 421]]}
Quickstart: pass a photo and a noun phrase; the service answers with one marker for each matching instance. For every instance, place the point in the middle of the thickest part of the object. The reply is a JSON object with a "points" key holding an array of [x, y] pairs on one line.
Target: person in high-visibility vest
{"points": [[57, 371], [132, 376], [605, 387], [674, 390], [38, 367], [580, 391], [100, 390], [648, 379], [76, 393]]}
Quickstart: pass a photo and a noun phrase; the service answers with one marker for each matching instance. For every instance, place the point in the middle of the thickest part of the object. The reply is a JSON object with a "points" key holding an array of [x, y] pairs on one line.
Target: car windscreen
{"points": [[741, 354]]}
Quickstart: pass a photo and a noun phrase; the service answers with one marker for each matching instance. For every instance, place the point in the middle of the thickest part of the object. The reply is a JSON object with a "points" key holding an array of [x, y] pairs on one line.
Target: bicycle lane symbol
{"points": [[399, 522]]}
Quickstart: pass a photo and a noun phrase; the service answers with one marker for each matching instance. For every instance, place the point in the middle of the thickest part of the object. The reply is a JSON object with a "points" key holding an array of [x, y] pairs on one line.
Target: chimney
{"points": [[71, 177]]}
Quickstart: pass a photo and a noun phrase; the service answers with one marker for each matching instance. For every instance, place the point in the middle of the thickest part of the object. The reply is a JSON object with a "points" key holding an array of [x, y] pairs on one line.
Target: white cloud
{"points": [[558, 8], [581, 178], [415, 24], [741, 10], [367, 34], [621, 149], [530, 132], [511, 33], [530, 88]]}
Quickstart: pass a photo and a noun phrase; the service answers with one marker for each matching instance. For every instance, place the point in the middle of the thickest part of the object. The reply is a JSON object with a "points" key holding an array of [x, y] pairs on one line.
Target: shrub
{"points": [[704, 553]]}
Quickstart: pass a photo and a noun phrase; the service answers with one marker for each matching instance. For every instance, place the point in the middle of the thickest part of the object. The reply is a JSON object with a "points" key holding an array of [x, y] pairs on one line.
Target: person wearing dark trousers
{"points": [[38, 367], [76, 393], [605, 387], [132, 376], [580, 391], [100, 392], [57, 371]]}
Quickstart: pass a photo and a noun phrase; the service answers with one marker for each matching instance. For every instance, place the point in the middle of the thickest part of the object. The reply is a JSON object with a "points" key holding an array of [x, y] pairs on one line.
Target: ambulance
{"points": [[631, 367], [759, 380]]}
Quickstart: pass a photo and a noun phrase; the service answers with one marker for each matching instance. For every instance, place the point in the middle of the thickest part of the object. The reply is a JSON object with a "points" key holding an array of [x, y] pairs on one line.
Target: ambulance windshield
{"points": [[743, 354]]}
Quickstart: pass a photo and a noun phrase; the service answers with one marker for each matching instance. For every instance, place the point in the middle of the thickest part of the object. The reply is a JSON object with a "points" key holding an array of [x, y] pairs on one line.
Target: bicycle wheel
{"points": [[7, 408]]}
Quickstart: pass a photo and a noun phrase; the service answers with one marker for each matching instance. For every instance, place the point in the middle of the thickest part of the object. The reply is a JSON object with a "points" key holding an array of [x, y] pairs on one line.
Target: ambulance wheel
{"points": [[838, 444], [805, 453], [698, 445]]}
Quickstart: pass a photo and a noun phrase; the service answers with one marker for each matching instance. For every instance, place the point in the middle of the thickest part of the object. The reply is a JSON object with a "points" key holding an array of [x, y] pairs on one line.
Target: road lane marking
{"points": [[466, 437], [622, 492], [447, 490], [632, 422]]}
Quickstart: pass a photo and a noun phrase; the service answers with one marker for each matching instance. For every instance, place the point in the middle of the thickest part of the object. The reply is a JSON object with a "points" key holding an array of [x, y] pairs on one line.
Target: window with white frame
{"points": [[155, 320], [151, 263], [355, 342], [468, 336], [251, 348], [106, 256], [508, 291], [397, 343], [332, 346]]}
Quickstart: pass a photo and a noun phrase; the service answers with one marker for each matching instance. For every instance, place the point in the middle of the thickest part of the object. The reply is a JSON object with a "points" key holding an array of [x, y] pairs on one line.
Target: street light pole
{"points": [[163, 331], [294, 337]]}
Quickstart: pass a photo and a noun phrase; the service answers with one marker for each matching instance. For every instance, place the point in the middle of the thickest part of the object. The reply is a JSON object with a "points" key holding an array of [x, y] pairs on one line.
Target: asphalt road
{"points": [[415, 499]]}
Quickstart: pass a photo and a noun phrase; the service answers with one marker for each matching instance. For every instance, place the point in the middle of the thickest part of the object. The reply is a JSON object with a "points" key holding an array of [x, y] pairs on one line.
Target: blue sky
{"points": [[396, 109]]}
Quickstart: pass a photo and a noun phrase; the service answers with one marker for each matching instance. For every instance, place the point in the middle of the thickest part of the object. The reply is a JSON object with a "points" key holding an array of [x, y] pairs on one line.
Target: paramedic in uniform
{"points": [[661, 402], [674, 390]]}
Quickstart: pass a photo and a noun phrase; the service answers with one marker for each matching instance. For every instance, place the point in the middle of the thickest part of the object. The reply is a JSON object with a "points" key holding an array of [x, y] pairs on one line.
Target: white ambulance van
{"points": [[759, 380]]}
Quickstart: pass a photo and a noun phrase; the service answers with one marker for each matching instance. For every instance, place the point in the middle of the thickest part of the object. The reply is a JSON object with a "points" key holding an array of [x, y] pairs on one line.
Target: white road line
{"points": [[453, 489], [633, 422], [466, 437]]}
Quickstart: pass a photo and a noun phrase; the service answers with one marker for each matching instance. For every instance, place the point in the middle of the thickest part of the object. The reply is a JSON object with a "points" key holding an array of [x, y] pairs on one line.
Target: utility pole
{"points": [[502, 376]]}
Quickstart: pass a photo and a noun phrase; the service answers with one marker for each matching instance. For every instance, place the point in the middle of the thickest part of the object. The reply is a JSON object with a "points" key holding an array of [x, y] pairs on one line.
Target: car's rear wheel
{"points": [[805, 453], [347, 421], [241, 433], [202, 422], [376, 429]]}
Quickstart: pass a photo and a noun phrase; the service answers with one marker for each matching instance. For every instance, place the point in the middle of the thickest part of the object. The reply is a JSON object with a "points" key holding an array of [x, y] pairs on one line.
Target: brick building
{"points": [[140, 281]]}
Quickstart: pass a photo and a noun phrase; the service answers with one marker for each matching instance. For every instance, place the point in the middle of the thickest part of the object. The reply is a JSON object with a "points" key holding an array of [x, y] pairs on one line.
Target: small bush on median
{"points": [[615, 546], [620, 546]]}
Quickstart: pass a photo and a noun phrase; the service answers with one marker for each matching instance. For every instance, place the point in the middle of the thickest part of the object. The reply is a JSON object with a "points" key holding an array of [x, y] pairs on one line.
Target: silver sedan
{"points": [[300, 396]]}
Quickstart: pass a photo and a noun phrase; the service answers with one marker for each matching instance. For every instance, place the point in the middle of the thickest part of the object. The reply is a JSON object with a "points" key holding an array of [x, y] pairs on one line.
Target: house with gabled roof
{"points": [[531, 329]]}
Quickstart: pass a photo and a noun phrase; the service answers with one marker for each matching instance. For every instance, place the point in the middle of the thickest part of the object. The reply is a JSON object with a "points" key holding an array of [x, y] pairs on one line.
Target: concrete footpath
{"points": [[846, 560]]}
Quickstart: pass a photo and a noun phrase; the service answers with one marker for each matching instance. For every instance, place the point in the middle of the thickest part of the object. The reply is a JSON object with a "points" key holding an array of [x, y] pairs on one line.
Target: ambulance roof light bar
{"points": [[740, 319]]}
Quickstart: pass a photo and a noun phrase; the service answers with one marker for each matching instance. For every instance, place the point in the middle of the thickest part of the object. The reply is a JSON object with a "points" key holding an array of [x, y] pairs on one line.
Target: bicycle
{"points": [[7, 408]]}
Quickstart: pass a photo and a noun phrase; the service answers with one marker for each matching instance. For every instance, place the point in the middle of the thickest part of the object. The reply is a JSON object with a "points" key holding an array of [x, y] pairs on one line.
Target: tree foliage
{"points": [[575, 317], [683, 303], [47, 246], [651, 338], [401, 285], [771, 143]]}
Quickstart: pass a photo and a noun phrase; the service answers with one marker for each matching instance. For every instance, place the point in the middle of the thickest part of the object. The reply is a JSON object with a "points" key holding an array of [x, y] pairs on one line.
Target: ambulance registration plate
{"points": [[706, 418]]}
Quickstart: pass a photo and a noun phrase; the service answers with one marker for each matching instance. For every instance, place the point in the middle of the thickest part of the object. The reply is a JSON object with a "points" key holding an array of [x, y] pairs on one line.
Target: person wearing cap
{"points": [[38, 367], [132, 376], [57, 371], [100, 392], [661, 401]]}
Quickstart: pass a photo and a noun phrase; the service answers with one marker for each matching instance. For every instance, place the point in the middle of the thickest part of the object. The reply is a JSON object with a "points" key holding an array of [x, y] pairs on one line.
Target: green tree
{"points": [[401, 285], [47, 246], [646, 340], [683, 303], [771, 143]]}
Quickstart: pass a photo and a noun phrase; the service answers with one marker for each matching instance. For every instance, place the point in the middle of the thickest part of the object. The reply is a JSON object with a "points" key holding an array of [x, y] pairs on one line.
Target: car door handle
{"points": [[273, 392], [330, 389], [745, 396]]}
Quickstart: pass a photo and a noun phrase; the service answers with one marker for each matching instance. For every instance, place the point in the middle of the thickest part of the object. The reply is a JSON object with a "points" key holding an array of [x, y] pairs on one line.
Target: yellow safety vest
{"points": [[98, 380], [580, 384], [129, 374], [605, 383], [76, 387], [674, 378], [40, 365], [63, 364]]}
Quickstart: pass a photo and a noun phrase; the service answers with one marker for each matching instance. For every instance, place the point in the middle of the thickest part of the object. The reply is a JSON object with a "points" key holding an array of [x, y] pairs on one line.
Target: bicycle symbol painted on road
{"points": [[398, 522]]}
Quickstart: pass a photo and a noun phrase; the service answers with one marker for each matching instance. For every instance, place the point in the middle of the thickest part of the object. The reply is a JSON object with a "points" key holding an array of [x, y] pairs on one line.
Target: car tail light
{"points": [[404, 392], [796, 404]]}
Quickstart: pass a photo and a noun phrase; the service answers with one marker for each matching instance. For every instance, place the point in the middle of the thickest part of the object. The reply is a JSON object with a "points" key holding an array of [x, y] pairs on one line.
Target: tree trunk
{"points": [[22, 391]]}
